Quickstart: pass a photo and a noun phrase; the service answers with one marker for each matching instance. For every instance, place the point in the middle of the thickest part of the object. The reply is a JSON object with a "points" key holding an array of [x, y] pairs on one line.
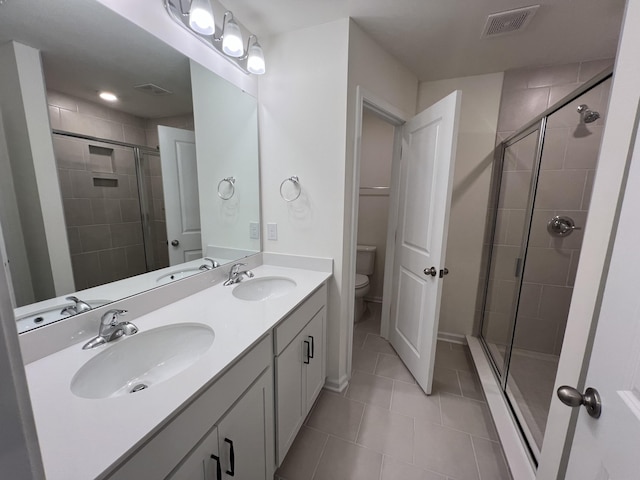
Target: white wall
{"points": [[302, 119], [474, 156], [151, 16], [30, 148], [226, 124]]}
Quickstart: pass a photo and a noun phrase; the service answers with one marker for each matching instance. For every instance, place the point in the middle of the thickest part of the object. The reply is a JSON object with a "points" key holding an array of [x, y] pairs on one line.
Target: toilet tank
{"points": [[365, 259]]}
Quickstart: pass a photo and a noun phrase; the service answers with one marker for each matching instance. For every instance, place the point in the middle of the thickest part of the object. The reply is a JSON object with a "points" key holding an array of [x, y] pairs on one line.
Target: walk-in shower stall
{"points": [[114, 208], [541, 189]]}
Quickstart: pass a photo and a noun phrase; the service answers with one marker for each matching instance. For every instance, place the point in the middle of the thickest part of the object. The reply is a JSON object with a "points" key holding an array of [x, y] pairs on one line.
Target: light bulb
{"points": [[201, 17], [108, 96], [255, 60], [232, 43]]}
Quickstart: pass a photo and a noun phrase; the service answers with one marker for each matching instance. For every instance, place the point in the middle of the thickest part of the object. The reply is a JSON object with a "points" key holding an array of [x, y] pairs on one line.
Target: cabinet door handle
{"points": [[218, 470], [232, 458], [308, 352], [312, 346]]}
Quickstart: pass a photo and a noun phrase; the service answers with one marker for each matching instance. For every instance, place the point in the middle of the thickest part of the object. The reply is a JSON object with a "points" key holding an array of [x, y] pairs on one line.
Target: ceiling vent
{"points": [[152, 89], [510, 21]]}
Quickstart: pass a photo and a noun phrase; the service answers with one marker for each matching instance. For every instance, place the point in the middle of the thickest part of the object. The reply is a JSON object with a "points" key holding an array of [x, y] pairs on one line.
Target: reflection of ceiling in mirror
{"points": [[106, 51]]}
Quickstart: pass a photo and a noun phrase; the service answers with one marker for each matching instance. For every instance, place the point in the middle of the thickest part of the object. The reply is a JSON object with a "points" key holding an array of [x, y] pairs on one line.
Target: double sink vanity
{"points": [[212, 385]]}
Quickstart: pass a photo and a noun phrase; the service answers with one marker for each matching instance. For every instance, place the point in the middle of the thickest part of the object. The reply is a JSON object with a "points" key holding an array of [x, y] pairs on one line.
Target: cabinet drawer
{"points": [[289, 328]]}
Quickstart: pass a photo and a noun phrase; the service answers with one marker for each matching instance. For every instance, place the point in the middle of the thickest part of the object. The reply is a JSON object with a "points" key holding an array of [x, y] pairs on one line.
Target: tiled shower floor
{"points": [[383, 427]]}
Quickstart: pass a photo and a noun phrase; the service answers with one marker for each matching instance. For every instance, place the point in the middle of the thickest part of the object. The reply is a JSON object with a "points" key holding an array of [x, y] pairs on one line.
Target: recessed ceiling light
{"points": [[108, 96]]}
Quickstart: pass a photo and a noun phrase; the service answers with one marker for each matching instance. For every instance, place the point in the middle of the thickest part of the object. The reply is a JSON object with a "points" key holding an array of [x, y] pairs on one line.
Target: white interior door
{"points": [[609, 447], [426, 178], [181, 199]]}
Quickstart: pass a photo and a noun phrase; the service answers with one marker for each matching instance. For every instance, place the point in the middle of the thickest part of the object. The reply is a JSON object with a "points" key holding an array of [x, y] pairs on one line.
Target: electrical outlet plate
{"points": [[272, 231], [254, 230]]}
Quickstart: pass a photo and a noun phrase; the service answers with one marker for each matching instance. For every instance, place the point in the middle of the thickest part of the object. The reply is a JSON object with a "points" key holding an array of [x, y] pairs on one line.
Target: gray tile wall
{"points": [[567, 169], [103, 223]]}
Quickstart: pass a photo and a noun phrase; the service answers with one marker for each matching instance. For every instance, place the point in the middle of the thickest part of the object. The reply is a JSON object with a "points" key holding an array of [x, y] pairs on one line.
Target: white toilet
{"points": [[365, 261]]}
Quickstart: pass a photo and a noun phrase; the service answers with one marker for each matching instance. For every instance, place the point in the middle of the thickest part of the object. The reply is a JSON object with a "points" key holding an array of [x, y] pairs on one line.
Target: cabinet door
{"points": [[243, 434], [290, 394], [314, 333], [201, 464]]}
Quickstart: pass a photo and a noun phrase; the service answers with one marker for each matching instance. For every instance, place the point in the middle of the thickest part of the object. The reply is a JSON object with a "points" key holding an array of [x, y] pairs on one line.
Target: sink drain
{"points": [[137, 388]]}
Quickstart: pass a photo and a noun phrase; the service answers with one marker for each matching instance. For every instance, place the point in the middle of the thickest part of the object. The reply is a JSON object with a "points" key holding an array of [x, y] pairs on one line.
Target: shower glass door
{"points": [[511, 223], [541, 192]]}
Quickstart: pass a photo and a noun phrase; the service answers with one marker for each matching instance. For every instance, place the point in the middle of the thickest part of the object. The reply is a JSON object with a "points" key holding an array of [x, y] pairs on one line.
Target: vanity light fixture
{"points": [[108, 96], [201, 18], [198, 19]]}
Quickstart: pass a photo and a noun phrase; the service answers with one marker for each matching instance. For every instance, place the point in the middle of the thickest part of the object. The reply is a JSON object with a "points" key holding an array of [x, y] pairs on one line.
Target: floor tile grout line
{"points": [[364, 410], [324, 447], [475, 456]]}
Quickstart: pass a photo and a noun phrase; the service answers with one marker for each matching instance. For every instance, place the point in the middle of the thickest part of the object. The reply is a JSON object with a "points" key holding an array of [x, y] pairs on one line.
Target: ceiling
{"points": [[86, 48], [439, 39]]}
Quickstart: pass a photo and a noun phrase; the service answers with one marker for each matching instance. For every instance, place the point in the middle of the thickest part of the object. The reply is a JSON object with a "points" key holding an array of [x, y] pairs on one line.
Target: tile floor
{"points": [[383, 427]]}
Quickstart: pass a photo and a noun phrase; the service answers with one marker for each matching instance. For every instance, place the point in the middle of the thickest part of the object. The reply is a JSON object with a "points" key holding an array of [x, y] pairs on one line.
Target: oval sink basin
{"points": [[263, 288], [177, 275], [140, 361]]}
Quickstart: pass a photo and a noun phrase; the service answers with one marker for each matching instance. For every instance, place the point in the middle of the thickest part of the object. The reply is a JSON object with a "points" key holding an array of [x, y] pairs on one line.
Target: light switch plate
{"points": [[254, 230], [272, 231]]}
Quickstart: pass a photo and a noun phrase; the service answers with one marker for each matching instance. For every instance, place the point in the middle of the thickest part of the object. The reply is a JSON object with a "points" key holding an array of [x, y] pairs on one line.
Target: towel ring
{"points": [[296, 188], [231, 188]]}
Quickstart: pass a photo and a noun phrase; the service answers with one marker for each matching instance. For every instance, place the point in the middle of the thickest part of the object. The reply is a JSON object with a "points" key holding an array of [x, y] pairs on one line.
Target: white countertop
{"points": [[81, 438]]}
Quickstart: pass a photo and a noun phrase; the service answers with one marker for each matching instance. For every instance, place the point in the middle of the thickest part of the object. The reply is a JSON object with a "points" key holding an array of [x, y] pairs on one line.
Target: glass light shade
{"points": [[255, 59], [232, 43], [201, 17]]}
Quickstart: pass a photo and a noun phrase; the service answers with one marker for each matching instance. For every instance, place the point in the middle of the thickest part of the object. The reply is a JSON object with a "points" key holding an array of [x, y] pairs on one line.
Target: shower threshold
{"points": [[516, 453]]}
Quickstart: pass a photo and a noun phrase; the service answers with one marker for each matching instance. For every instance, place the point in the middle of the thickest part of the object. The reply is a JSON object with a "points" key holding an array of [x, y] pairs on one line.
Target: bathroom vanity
{"points": [[227, 410]]}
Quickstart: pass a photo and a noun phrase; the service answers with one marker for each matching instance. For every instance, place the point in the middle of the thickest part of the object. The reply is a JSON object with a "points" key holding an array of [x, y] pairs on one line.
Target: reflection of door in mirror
{"points": [[180, 186]]}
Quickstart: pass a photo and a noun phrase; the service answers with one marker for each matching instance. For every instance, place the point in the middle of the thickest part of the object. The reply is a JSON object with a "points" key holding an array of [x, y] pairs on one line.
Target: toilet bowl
{"points": [[365, 260], [362, 288]]}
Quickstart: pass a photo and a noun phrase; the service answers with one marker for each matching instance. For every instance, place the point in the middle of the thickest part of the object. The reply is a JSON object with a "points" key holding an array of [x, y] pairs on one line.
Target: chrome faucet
{"points": [[213, 265], [235, 274], [111, 327], [78, 307]]}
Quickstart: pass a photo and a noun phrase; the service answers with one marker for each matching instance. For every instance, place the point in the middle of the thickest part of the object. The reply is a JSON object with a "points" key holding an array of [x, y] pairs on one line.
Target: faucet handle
{"points": [[111, 317], [236, 267]]}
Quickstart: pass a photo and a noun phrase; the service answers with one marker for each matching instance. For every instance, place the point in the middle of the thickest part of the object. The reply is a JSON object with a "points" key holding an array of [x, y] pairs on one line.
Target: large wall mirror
{"points": [[101, 200]]}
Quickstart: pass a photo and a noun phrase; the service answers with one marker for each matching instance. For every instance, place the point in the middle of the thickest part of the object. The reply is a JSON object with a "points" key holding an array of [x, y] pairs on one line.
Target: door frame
{"points": [[395, 117]]}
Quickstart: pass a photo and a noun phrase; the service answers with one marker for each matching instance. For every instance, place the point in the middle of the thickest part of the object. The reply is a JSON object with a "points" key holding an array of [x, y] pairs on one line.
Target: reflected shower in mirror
{"points": [[102, 199]]}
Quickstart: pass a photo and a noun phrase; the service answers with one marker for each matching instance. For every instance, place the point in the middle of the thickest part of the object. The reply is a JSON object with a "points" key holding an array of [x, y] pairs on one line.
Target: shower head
{"points": [[587, 115]]}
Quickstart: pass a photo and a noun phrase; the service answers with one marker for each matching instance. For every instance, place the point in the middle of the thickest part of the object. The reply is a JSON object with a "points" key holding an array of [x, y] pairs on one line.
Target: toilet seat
{"points": [[361, 280]]}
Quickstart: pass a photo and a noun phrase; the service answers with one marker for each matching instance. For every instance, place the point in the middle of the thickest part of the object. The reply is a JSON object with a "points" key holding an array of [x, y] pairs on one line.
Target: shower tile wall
{"points": [[564, 188], [102, 211], [103, 222]]}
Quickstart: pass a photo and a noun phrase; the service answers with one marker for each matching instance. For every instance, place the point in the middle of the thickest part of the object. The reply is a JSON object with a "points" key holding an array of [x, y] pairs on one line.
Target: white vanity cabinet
{"points": [[232, 420], [299, 343], [236, 446]]}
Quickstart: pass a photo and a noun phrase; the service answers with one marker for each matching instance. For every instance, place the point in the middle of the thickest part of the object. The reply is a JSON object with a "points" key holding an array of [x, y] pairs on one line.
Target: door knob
{"points": [[573, 398], [175, 243], [430, 271], [443, 272]]}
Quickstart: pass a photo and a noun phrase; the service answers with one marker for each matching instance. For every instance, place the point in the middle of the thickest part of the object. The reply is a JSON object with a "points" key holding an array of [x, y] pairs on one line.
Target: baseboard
{"points": [[512, 444], [452, 338], [337, 386]]}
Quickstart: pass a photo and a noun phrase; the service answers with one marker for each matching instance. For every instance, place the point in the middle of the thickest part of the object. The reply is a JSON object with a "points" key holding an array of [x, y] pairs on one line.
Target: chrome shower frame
{"points": [[539, 123]]}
